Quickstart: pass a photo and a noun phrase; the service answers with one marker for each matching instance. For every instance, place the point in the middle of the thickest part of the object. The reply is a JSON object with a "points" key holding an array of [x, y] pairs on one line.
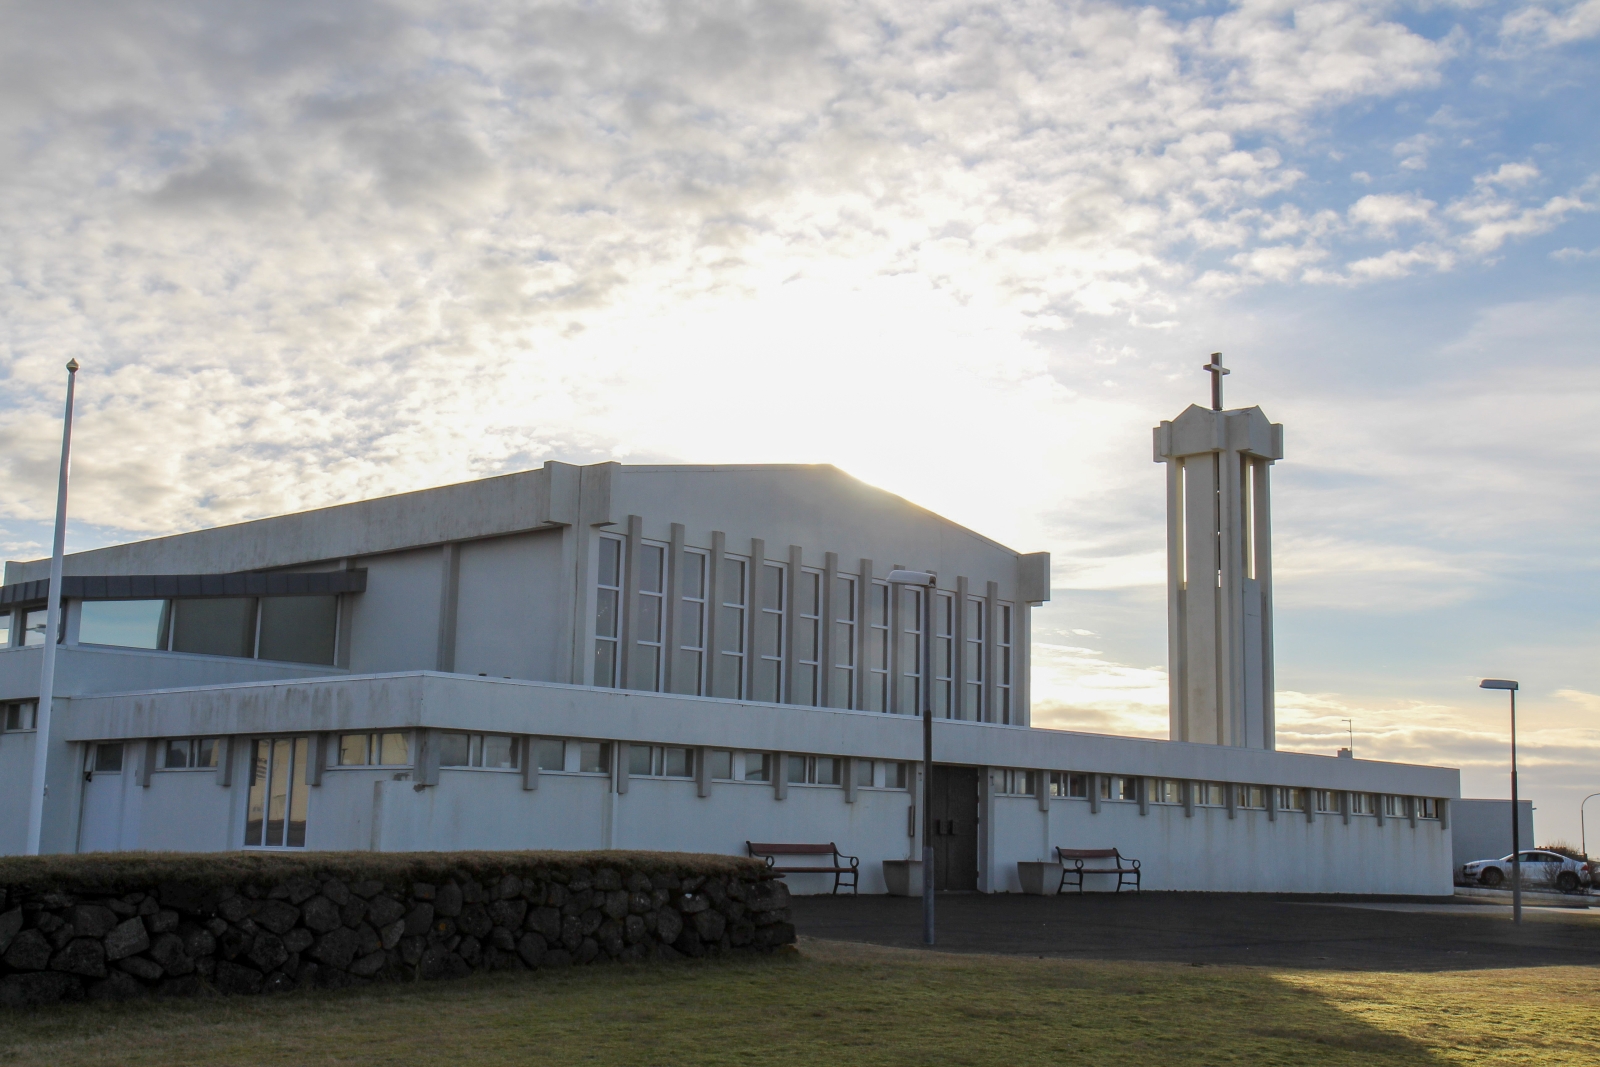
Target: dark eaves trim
{"points": [[187, 586]]}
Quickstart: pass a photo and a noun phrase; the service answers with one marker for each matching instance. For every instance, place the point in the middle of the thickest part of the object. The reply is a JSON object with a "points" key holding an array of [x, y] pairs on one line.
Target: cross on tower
{"points": [[1216, 370]]}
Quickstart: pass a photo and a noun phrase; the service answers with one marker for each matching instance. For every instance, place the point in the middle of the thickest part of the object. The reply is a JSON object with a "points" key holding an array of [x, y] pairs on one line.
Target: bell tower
{"points": [[1219, 570]]}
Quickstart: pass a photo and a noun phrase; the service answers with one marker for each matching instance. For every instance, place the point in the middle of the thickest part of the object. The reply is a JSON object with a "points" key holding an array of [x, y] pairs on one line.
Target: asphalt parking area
{"points": [[1351, 933]]}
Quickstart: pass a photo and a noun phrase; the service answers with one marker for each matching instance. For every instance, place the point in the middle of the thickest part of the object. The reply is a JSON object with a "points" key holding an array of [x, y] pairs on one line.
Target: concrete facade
{"points": [[611, 656]]}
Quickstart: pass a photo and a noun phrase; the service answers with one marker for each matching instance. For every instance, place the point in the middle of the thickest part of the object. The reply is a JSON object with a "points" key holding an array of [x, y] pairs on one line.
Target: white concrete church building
{"points": [[681, 658]]}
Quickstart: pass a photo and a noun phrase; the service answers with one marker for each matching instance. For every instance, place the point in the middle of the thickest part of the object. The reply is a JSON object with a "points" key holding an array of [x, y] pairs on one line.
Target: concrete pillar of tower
{"points": [[1219, 574]]}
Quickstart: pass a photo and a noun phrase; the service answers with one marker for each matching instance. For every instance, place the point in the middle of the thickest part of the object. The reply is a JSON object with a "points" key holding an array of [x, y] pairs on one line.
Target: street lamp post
{"points": [[52, 634], [925, 580], [1516, 839]]}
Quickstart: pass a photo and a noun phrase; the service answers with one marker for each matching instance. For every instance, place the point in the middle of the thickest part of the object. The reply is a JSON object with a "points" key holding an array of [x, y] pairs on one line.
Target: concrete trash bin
{"points": [[1042, 879], [903, 877]]}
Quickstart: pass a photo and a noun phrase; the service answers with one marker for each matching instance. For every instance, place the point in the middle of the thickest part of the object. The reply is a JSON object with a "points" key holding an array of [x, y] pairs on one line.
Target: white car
{"points": [[1539, 868]]}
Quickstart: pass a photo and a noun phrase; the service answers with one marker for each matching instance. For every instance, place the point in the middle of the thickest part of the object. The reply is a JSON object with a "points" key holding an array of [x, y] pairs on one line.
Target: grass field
{"points": [[833, 1003]]}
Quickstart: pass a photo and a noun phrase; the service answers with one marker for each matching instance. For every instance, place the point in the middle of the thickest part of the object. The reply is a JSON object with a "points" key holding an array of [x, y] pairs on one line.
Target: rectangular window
{"points": [[124, 623], [1166, 791], [1291, 798], [1251, 796], [1118, 787], [33, 627], [807, 639], [550, 754], [1326, 800], [1211, 794], [192, 753], [688, 669], [276, 812], [1002, 665], [1020, 783], [815, 770], [657, 761], [640, 764], [644, 666], [944, 665], [594, 757], [864, 771], [493, 752], [1361, 804], [1427, 808], [758, 766], [910, 650], [289, 629], [1391, 807], [843, 692], [217, 626], [1064, 784], [107, 758], [5, 629], [391, 749], [22, 715], [299, 629], [607, 612], [677, 762], [721, 764], [896, 775], [973, 704], [876, 690], [730, 628], [768, 662]]}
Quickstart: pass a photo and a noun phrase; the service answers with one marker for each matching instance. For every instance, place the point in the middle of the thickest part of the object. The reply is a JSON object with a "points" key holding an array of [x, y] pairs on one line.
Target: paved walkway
{"points": [[1219, 928]]}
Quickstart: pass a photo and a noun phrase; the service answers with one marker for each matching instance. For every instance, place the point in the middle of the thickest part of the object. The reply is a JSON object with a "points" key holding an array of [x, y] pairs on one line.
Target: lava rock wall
{"points": [[331, 929]]}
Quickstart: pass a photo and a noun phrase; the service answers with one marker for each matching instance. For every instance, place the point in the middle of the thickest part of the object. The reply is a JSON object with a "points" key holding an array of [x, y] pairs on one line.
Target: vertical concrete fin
{"points": [[530, 763]]}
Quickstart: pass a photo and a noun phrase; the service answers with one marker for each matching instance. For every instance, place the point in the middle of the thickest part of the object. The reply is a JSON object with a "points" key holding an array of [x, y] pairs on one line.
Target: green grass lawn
{"points": [[833, 1003]]}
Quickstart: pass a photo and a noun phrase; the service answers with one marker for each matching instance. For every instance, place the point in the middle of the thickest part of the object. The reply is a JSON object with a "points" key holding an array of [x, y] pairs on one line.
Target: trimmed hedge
{"points": [[120, 925]]}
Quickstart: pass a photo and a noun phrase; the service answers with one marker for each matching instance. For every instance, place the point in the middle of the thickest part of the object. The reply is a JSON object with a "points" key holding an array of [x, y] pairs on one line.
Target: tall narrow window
{"points": [[276, 815], [730, 628], [768, 662], [876, 689], [688, 670], [944, 622], [807, 638], [843, 692], [644, 666], [972, 706], [1002, 665], [607, 612], [910, 659]]}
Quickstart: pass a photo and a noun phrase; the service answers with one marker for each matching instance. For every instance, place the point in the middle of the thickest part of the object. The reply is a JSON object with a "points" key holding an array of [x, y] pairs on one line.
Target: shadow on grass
{"points": [[826, 1002]]}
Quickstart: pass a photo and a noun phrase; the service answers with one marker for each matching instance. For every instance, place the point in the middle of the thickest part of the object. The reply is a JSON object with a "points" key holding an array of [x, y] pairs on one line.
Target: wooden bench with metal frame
{"points": [[839, 870], [1077, 857]]}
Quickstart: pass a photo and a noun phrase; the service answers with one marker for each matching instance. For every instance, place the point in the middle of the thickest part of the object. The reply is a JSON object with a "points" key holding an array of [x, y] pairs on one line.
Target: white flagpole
{"points": [[52, 631]]}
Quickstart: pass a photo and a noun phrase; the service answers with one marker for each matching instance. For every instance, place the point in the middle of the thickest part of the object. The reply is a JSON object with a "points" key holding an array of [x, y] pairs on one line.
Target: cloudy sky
{"points": [[970, 252]]}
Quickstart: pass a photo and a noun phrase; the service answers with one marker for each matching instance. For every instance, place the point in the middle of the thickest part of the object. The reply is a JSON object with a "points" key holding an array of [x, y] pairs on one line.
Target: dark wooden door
{"points": [[955, 827]]}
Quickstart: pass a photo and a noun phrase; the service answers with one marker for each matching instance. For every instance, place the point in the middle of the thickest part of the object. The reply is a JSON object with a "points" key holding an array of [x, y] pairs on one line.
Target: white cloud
{"points": [[1382, 213], [1553, 24]]}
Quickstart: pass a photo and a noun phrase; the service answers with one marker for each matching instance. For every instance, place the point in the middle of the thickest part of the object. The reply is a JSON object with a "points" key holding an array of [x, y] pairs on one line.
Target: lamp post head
{"points": [[1497, 683], [912, 578], [72, 366]]}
